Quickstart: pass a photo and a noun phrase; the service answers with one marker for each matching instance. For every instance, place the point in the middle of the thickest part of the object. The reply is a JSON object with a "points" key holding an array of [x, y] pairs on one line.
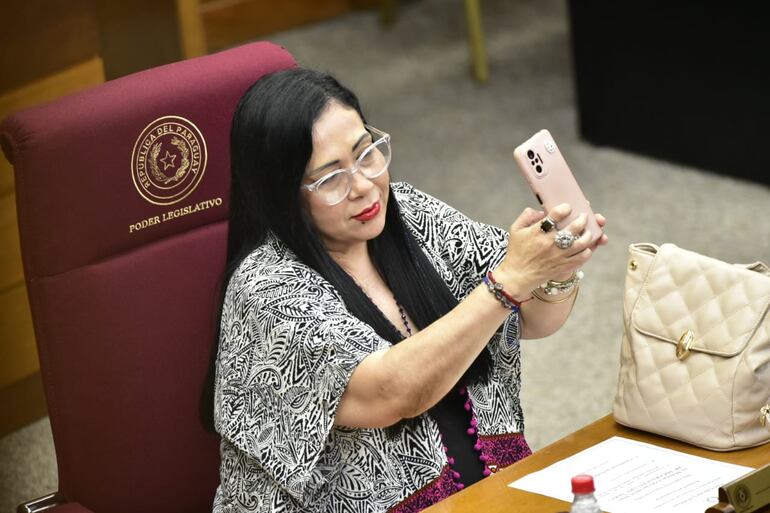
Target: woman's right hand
{"points": [[533, 257]]}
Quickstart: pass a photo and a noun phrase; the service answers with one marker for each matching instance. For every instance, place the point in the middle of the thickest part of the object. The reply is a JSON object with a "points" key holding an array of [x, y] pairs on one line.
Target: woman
{"points": [[363, 363]]}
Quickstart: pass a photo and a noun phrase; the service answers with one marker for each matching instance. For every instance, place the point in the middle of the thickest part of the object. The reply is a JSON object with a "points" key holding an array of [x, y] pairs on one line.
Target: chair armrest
{"points": [[53, 503]]}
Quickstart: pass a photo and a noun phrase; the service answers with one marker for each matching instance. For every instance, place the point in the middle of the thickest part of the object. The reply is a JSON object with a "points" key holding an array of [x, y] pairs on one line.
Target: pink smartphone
{"points": [[551, 180]]}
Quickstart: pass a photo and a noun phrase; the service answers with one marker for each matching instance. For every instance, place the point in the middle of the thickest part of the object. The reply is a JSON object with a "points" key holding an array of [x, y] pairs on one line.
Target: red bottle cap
{"points": [[583, 484]]}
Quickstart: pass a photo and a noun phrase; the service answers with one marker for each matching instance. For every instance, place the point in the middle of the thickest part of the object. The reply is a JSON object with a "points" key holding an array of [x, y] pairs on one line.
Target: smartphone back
{"points": [[550, 178]]}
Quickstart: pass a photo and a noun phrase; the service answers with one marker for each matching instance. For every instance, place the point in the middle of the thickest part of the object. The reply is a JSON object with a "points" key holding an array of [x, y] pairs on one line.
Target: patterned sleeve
{"points": [[469, 248], [287, 349]]}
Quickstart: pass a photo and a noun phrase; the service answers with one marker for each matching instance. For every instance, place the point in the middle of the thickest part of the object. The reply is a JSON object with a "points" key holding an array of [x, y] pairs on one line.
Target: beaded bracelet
{"points": [[496, 288]]}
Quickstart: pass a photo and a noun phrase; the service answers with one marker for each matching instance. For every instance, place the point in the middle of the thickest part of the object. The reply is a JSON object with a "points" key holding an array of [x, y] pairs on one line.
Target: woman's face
{"points": [[339, 137]]}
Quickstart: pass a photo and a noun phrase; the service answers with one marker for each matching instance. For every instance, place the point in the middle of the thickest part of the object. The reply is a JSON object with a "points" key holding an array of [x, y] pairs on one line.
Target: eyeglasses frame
{"points": [[383, 136]]}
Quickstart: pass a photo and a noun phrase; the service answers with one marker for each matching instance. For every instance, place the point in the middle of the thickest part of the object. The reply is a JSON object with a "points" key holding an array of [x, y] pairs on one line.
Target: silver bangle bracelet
{"points": [[553, 287]]}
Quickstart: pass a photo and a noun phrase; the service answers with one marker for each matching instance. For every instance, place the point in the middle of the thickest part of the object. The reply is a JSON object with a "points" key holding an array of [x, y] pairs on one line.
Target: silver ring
{"points": [[564, 239], [547, 224]]}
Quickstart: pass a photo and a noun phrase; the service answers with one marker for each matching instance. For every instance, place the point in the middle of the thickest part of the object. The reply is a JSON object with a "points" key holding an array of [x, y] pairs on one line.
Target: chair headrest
{"points": [[131, 161]]}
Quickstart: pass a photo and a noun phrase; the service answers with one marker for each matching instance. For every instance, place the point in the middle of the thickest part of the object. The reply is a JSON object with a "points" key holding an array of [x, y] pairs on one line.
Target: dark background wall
{"points": [[683, 81]]}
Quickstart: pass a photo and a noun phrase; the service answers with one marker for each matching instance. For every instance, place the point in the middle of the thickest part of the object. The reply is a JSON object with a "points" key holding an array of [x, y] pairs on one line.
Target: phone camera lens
{"points": [[531, 154], [539, 169]]}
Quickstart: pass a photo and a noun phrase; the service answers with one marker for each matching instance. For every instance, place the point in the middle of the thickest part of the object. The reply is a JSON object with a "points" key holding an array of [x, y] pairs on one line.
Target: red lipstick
{"points": [[369, 213]]}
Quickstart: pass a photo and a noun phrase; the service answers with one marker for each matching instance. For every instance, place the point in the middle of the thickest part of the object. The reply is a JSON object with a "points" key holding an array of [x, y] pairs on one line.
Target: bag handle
{"points": [[645, 247], [758, 267]]}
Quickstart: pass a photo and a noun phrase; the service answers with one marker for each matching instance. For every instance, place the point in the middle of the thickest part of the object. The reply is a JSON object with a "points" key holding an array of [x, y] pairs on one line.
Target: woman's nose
{"points": [[359, 184]]}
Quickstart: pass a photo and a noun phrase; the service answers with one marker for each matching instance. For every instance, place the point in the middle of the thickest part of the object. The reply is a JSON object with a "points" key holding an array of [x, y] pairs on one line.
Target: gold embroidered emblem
{"points": [[168, 160]]}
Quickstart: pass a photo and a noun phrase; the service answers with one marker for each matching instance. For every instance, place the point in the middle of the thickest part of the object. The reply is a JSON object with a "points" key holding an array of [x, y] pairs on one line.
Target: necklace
{"points": [[403, 317]]}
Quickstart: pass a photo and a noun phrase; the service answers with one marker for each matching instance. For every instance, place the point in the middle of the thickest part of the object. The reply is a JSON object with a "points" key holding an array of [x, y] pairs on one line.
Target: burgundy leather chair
{"points": [[122, 194]]}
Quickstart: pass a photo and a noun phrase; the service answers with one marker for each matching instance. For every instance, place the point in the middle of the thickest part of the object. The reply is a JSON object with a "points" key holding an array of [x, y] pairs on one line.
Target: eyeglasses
{"points": [[372, 162]]}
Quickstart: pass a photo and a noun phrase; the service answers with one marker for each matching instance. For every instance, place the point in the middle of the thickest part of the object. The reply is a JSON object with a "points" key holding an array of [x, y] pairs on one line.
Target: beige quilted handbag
{"points": [[695, 354]]}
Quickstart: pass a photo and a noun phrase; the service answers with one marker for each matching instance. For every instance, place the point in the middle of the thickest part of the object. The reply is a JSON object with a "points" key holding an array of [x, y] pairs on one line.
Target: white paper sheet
{"points": [[633, 477]]}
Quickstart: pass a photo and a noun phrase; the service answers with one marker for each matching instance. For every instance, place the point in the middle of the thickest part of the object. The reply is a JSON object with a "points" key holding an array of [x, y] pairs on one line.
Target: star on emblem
{"points": [[168, 160]]}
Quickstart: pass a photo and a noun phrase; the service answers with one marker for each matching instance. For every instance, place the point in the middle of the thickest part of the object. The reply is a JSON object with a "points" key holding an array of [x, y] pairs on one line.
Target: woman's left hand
{"points": [[601, 241], [602, 221]]}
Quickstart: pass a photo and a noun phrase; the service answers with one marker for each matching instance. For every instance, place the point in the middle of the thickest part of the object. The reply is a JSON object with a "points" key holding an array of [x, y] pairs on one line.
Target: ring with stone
{"points": [[564, 239], [547, 224]]}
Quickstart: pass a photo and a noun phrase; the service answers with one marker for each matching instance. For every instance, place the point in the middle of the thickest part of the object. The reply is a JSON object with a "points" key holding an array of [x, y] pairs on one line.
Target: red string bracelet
{"points": [[500, 294]]}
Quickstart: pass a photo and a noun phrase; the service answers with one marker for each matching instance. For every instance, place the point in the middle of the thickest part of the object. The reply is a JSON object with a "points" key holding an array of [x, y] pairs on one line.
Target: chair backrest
{"points": [[122, 195]]}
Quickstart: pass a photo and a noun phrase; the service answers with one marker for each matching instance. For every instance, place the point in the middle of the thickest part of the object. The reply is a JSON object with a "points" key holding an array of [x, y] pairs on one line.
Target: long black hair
{"points": [[271, 143]]}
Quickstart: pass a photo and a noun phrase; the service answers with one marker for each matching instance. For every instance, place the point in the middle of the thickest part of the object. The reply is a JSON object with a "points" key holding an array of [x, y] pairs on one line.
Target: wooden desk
{"points": [[492, 495]]}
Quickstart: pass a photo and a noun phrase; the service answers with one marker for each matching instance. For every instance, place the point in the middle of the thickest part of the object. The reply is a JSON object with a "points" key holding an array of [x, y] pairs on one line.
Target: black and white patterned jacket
{"points": [[287, 348]]}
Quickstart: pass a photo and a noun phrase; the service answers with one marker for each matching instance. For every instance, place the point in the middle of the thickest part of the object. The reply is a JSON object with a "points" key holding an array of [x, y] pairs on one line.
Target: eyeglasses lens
{"points": [[335, 188]]}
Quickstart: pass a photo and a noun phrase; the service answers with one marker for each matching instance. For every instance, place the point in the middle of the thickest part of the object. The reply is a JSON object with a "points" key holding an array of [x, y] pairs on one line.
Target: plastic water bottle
{"points": [[584, 501]]}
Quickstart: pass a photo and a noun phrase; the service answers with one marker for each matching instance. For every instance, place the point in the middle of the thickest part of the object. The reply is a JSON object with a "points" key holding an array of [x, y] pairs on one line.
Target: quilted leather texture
{"points": [[713, 397]]}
